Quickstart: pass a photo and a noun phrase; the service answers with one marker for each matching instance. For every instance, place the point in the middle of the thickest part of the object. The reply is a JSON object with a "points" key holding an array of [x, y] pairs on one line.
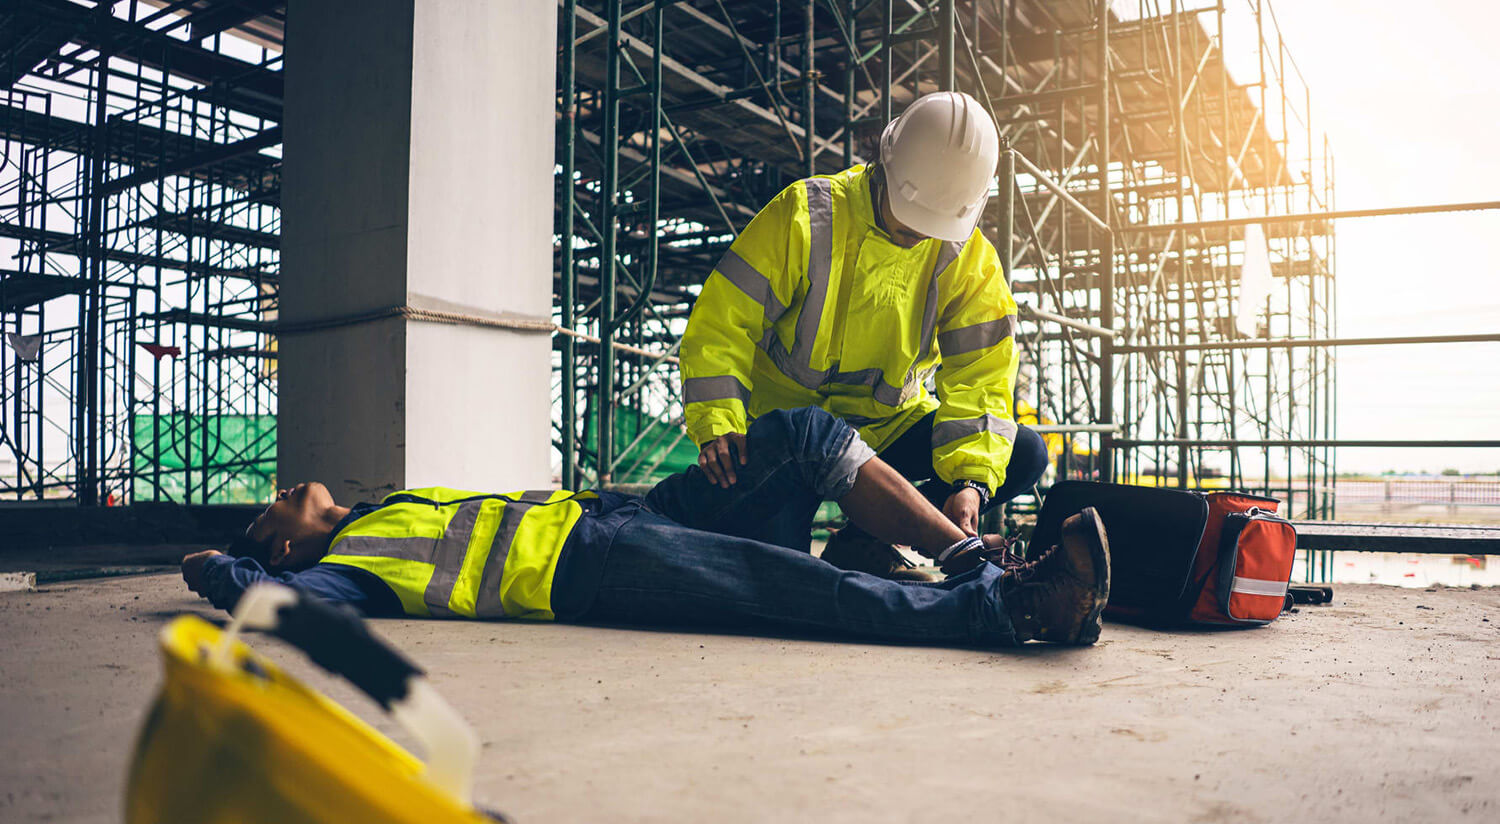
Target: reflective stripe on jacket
{"points": [[813, 305], [452, 553]]}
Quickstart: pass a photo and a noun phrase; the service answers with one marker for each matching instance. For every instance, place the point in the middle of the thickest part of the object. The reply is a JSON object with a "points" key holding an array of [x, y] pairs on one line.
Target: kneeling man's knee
{"points": [[814, 433], [811, 417], [828, 450], [774, 425], [1029, 454], [807, 433]]}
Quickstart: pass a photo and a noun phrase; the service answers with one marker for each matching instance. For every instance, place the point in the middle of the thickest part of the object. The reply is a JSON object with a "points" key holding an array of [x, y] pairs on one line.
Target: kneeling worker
{"points": [[689, 553], [848, 292]]}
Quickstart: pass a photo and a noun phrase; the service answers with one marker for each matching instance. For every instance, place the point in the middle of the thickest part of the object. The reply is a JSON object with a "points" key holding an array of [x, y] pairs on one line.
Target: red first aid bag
{"points": [[1244, 561], [1177, 557]]}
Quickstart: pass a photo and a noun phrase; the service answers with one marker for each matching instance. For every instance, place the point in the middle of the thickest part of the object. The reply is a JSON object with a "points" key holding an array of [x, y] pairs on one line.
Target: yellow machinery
{"points": [[1027, 415], [232, 738]]}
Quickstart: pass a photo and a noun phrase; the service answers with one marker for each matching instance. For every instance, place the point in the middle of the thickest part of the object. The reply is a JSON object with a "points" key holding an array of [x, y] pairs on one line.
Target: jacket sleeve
{"points": [[747, 291], [226, 579], [975, 427]]}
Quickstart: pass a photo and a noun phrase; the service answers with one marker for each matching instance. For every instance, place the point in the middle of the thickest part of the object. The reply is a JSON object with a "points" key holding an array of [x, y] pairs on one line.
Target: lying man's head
{"points": [[294, 531]]}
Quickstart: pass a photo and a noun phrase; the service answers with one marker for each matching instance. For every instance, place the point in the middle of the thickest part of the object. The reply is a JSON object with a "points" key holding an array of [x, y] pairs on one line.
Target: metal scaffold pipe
{"points": [[1063, 194], [1308, 343], [90, 377], [809, 90], [886, 61], [653, 216], [607, 289], [1007, 186], [947, 72], [851, 17], [568, 274], [1032, 313], [1180, 147], [1308, 443], [1306, 217], [1106, 255]]}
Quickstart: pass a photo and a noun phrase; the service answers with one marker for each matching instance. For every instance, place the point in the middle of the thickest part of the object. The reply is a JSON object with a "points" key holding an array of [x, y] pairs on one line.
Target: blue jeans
{"points": [[697, 556], [798, 458]]}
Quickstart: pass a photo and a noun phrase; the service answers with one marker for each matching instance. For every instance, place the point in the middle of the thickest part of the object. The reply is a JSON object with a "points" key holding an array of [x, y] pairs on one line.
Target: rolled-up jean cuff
{"points": [[842, 465]]}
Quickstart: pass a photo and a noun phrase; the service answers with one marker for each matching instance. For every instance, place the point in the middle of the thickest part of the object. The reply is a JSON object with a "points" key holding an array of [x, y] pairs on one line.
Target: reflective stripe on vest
{"points": [[463, 567], [979, 336], [949, 431], [720, 387], [797, 364], [752, 283]]}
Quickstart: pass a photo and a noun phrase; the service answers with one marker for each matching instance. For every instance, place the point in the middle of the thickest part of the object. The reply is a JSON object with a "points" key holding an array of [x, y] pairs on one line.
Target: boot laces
{"points": [[1021, 570], [1004, 555]]}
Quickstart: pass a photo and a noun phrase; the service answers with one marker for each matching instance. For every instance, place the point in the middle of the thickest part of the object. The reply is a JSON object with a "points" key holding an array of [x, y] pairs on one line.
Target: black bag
{"points": [[1177, 557]]}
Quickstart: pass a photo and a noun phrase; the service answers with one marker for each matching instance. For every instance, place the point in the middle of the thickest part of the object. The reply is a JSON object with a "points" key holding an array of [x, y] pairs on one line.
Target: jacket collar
{"points": [[861, 197]]}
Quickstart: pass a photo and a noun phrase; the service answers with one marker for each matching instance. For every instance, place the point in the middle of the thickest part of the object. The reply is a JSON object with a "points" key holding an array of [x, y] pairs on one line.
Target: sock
{"points": [[962, 546]]}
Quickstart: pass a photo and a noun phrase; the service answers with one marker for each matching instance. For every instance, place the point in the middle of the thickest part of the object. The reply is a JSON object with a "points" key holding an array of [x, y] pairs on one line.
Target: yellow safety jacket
{"points": [[454, 553], [813, 305]]}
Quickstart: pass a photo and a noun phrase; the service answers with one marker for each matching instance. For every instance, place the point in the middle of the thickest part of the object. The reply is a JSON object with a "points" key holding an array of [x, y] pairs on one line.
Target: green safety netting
{"points": [[232, 457], [644, 458]]}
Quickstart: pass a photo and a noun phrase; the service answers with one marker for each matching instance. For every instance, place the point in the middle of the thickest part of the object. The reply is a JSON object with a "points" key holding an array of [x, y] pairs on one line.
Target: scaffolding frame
{"points": [[139, 198], [139, 223], [741, 99]]}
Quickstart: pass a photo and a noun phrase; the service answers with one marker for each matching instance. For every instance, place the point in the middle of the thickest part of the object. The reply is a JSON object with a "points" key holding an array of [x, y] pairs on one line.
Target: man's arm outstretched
{"points": [[222, 579]]}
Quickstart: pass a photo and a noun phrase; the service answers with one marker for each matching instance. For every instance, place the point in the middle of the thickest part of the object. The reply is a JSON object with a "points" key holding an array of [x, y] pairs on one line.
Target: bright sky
{"points": [[1409, 95]]}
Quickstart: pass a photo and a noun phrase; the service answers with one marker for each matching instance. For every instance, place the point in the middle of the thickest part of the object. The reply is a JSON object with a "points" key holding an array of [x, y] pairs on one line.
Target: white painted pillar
{"points": [[417, 173]]}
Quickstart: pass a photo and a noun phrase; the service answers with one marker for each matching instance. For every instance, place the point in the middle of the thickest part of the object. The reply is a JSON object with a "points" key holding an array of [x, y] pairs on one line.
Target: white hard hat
{"points": [[939, 158]]}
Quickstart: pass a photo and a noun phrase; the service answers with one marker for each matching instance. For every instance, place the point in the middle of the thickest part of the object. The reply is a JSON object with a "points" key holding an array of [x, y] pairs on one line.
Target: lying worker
{"points": [[848, 291], [689, 553]]}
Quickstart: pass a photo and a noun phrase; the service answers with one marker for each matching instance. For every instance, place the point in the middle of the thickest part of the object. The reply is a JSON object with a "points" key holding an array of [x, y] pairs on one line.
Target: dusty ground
{"points": [[1381, 706]]}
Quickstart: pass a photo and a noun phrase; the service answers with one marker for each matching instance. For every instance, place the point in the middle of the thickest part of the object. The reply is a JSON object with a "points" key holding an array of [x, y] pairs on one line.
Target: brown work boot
{"points": [[856, 550], [1058, 596]]}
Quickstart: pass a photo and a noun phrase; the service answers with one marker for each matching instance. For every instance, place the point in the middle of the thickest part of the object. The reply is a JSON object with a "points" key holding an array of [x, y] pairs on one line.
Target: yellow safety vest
{"points": [[813, 305], [454, 553]]}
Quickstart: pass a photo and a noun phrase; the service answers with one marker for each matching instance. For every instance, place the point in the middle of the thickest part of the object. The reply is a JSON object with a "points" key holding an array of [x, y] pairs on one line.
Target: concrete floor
{"points": [[1380, 706]]}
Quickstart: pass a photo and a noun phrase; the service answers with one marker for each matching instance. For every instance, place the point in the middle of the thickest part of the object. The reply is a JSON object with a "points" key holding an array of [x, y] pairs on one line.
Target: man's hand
{"points": [[962, 509], [192, 570], [717, 458]]}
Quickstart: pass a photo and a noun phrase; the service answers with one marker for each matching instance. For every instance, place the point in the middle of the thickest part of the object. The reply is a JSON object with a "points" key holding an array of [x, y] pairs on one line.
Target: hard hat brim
{"points": [[934, 224]]}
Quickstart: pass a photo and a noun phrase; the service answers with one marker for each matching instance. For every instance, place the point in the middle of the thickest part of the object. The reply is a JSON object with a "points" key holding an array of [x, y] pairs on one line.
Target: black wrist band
{"points": [[984, 491]]}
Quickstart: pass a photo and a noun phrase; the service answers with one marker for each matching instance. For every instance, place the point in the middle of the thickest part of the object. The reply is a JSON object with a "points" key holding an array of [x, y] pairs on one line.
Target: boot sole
{"points": [[1093, 532]]}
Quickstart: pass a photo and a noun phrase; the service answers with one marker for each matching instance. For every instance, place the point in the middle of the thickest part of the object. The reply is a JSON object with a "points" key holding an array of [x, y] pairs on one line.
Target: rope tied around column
{"points": [[459, 319]]}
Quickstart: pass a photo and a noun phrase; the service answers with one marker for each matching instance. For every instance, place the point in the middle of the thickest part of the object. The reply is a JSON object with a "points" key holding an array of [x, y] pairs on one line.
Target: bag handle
{"points": [[339, 641]]}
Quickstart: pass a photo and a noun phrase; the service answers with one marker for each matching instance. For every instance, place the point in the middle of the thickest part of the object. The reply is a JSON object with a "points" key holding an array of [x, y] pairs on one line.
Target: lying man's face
{"points": [[292, 533]]}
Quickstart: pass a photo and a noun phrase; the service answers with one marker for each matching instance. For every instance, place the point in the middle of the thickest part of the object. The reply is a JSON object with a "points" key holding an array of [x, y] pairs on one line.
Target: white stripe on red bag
{"points": [[1259, 586]]}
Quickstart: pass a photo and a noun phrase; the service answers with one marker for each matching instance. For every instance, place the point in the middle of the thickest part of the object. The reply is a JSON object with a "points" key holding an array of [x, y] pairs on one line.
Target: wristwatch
{"points": [[984, 491]]}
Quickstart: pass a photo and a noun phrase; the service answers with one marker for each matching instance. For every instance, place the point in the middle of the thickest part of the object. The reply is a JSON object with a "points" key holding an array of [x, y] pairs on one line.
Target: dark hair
{"points": [[243, 546]]}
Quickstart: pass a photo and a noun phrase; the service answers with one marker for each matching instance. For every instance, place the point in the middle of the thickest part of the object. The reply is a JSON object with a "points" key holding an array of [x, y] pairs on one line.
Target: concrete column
{"points": [[417, 173]]}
